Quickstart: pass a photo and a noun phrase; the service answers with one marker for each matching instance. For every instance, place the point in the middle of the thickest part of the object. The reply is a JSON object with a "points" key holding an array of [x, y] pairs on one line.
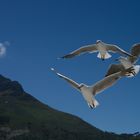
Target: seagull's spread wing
{"points": [[109, 80], [135, 52], [116, 49], [106, 82], [70, 81], [114, 68], [84, 49]]}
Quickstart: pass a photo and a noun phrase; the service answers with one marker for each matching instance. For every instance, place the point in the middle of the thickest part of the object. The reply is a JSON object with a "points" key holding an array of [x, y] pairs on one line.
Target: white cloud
{"points": [[3, 48]]}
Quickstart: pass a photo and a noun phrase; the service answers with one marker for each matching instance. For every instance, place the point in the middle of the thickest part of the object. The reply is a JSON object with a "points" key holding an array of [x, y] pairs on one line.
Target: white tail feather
{"points": [[99, 55], [95, 102], [107, 55]]}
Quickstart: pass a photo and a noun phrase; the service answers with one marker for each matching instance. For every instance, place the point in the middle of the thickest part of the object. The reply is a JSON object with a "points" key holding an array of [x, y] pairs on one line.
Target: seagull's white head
{"points": [[98, 41]]}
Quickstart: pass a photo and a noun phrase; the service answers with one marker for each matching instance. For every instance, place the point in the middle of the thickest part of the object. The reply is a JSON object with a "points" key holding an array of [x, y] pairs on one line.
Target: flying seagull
{"points": [[89, 92], [113, 68], [124, 64], [102, 48], [135, 52]]}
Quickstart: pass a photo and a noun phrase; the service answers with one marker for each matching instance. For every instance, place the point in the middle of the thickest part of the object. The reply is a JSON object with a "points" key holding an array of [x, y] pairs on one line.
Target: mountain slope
{"points": [[22, 117]]}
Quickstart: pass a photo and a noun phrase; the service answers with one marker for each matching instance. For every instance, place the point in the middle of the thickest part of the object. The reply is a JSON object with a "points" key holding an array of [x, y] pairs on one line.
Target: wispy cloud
{"points": [[3, 48]]}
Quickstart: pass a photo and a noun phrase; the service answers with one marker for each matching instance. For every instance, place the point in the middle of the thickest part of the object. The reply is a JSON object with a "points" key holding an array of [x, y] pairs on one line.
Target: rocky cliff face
{"points": [[22, 117]]}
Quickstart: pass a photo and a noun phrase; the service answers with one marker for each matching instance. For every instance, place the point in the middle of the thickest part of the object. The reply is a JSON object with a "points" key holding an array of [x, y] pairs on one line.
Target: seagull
{"points": [[135, 52], [89, 92], [102, 48], [124, 64], [113, 68]]}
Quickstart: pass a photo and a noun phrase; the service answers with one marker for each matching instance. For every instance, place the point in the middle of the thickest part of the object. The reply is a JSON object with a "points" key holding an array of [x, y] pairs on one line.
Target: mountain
{"points": [[22, 117]]}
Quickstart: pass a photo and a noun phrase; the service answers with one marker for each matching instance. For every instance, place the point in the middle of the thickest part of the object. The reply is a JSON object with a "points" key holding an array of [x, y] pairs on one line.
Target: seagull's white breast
{"points": [[86, 92], [101, 47]]}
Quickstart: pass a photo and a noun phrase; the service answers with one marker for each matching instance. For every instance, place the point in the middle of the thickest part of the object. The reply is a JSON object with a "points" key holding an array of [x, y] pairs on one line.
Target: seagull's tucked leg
{"points": [[93, 104]]}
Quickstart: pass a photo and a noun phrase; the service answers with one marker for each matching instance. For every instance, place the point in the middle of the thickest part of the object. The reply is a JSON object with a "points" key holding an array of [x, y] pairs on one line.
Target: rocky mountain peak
{"points": [[9, 87]]}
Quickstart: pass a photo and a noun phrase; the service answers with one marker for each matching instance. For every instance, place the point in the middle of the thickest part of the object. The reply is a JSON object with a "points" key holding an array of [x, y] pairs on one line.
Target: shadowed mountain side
{"points": [[22, 117]]}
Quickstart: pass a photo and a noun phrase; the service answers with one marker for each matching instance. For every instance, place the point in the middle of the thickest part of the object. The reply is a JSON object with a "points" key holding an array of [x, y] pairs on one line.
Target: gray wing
{"points": [[135, 52], [106, 82], [116, 49], [70, 81], [84, 49], [113, 68], [109, 81]]}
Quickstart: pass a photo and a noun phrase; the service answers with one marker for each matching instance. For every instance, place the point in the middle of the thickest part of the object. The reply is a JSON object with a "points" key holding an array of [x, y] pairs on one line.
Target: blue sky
{"points": [[40, 31]]}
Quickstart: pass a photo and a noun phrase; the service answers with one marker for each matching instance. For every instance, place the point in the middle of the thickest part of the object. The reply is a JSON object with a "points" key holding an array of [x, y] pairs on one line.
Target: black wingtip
{"points": [[91, 107], [62, 57], [67, 56], [106, 75]]}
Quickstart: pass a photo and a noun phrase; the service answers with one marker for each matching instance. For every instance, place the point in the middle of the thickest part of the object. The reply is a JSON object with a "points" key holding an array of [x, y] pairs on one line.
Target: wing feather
{"points": [[84, 49], [116, 49], [70, 81], [106, 82], [113, 68]]}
